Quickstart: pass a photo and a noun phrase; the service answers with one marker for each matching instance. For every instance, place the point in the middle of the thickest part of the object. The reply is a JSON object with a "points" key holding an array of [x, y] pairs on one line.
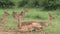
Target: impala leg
{"points": [[38, 29]]}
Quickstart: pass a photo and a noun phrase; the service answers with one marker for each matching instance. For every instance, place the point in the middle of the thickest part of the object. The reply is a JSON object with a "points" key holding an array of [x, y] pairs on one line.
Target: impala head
{"points": [[51, 16], [16, 15], [19, 15]]}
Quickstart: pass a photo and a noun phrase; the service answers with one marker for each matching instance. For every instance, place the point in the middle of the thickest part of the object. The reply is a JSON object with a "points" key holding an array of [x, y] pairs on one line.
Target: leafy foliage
{"points": [[45, 4], [6, 3]]}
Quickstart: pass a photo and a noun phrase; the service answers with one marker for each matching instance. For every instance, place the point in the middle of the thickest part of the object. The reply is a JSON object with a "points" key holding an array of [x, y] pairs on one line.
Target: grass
{"points": [[32, 15]]}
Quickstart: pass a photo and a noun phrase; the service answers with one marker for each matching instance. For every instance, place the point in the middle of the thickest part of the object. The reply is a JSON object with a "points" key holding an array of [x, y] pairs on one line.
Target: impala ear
{"points": [[22, 13], [14, 13]]}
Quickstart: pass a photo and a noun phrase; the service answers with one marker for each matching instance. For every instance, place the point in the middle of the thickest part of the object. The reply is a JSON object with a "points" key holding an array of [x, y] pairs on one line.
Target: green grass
{"points": [[32, 15]]}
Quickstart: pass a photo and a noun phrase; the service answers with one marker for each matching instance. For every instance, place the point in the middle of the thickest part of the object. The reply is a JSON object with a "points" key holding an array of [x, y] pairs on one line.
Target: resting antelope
{"points": [[25, 26], [4, 17], [31, 25], [38, 25], [44, 23]]}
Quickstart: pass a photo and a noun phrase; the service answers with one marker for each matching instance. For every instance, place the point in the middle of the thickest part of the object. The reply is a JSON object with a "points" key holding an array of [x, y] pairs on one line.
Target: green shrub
{"points": [[51, 5], [6, 4], [29, 3], [22, 3]]}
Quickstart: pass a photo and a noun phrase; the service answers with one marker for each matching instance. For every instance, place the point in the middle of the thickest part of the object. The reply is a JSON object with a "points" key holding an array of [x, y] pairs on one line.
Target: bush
{"points": [[51, 5], [22, 3], [45, 4], [29, 3], [6, 4]]}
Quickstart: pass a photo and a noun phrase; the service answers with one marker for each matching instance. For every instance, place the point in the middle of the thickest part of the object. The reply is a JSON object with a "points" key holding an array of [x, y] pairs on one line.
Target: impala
{"points": [[31, 25]]}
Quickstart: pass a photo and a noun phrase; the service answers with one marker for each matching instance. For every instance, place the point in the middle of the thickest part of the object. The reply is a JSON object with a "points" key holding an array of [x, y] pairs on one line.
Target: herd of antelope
{"points": [[27, 26]]}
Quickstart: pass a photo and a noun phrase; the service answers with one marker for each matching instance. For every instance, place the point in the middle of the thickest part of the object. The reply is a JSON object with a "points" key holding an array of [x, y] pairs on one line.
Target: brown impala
{"points": [[30, 25]]}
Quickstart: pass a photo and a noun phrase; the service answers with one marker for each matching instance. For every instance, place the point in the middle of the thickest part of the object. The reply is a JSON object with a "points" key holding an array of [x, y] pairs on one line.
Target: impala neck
{"points": [[19, 23], [48, 21]]}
